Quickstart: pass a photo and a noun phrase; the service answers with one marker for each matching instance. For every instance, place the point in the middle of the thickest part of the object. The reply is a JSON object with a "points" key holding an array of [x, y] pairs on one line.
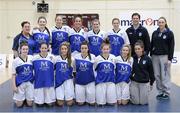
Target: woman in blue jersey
{"points": [[44, 77], [22, 71], [59, 34], [123, 71], [84, 77], [77, 35], [63, 76], [95, 38], [117, 37], [41, 34], [24, 36], [105, 78]]}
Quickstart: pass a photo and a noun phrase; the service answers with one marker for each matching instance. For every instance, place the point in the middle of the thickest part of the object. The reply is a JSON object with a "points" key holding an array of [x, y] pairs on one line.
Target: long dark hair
{"points": [[67, 44], [86, 43]]}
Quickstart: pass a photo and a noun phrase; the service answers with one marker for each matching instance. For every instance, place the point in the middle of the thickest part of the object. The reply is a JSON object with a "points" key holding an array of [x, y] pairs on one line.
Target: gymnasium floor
{"points": [[171, 105]]}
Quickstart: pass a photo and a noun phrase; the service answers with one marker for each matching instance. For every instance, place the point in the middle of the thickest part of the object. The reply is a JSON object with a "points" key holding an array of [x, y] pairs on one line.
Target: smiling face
{"points": [[42, 22], [44, 48], [96, 25], [106, 49], [24, 50], [135, 20], [162, 23], [84, 49], [139, 50], [115, 24], [26, 28], [77, 22], [125, 51], [64, 50], [59, 21]]}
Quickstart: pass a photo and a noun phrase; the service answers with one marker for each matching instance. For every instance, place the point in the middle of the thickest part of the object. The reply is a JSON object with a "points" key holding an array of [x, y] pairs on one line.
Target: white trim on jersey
{"points": [[18, 62], [121, 33]]}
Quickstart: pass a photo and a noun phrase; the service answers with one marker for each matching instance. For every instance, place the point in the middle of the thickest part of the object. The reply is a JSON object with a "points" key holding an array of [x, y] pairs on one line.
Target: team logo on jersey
{"points": [[41, 38], [77, 40], [140, 34], [106, 68], [160, 34], [115, 41], [95, 41], [83, 66], [60, 37], [44, 65], [63, 68], [164, 37], [144, 62], [26, 70], [130, 33], [123, 70]]}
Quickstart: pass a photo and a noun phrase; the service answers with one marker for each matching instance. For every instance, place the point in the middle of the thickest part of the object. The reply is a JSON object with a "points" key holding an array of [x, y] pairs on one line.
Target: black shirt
{"points": [[142, 71], [162, 43], [140, 33]]}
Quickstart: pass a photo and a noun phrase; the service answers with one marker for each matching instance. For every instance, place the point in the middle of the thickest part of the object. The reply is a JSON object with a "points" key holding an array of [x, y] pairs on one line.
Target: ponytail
{"points": [[166, 26], [106, 42]]}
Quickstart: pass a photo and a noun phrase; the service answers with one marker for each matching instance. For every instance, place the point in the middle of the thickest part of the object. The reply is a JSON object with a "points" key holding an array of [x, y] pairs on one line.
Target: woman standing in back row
{"points": [[162, 50], [77, 35], [59, 34]]}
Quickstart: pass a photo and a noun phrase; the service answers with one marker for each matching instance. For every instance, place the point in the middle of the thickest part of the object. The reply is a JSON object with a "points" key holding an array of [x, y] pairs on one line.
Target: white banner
{"points": [[176, 59], [148, 19], [2, 61]]}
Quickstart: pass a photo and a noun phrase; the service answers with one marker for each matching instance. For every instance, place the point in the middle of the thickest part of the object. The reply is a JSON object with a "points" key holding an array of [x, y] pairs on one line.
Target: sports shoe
{"points": [[159, 96], [165, 97]]}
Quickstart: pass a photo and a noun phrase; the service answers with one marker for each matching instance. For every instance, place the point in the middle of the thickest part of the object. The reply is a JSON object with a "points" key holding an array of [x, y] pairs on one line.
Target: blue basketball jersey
{"points": [[39, 37], [95, 40], [59, 35], [117, 39], [76, 38], [23, 70], [123, 69], [63, 71], [84, 68], [30, 41], [43, 71], [105, 69]]}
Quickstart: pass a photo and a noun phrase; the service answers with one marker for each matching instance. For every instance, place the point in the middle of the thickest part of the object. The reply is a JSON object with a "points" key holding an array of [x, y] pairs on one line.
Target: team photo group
{"points": [[66, 65]]}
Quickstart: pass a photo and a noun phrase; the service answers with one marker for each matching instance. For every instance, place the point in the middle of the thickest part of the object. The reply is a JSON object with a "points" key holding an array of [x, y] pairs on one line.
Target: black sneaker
{"points": [[159, 96], [165, 97]]}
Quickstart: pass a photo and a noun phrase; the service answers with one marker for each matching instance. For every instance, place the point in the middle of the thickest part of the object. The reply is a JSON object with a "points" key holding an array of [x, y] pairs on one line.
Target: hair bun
{"points": [[106, 41]]}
